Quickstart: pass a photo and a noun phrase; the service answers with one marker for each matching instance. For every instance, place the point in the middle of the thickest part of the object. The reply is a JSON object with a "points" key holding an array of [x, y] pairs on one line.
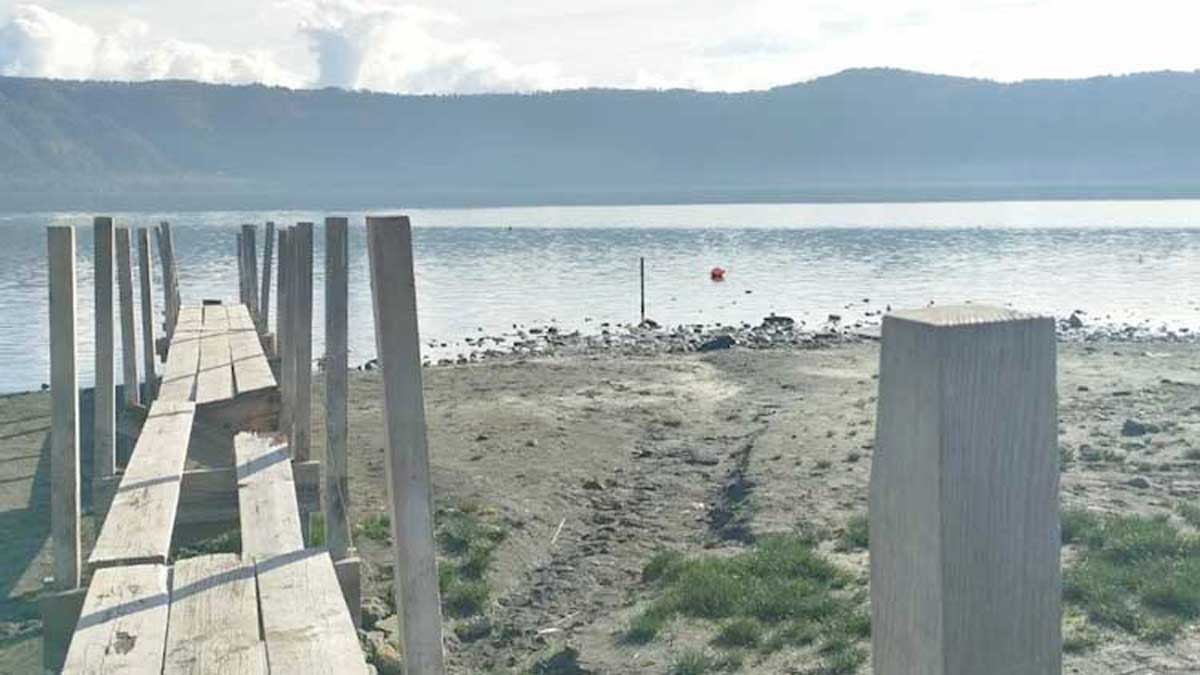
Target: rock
{"points": [[476, 629], [390, 627], [1139, 482], [649, 324], [383, 654], [374, 609], [702, 457], [1136, 428], [835, 318], [592, 484], [779, 321], [1075, 321], [717, 343]]}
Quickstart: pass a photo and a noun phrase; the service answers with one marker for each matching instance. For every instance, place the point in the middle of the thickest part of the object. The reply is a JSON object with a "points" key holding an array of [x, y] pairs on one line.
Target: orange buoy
{"points": [[717, 274]]}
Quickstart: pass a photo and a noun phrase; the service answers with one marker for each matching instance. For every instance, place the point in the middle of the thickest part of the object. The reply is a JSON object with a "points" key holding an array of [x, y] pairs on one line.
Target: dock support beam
{"points": [[146, 277], [301, 339], [410, 490], [129, 355], [250, 266], [104, 435], [64, 393], [337, 486], [964, 495], [264, 303]]}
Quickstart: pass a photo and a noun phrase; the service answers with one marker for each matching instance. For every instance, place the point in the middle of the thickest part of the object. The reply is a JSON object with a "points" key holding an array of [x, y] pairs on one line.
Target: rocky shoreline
{"points": [[773, 332]]}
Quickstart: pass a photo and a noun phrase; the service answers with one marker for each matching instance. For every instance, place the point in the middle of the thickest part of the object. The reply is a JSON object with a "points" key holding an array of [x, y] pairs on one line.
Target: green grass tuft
{"points": [[1190, 512], [857, 533], [377, 527], [468, 543]]}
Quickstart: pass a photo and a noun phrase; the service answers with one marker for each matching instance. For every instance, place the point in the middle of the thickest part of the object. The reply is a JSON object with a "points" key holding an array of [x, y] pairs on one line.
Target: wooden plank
{"points": [[251, 371], [264, 303], [214, 380], [129, 357], [213, 626], [183, 357], [410, 490], [267, 508], [123, 625], [173, 262], [146, 277], [964, 495], [301, 437], [104, 436], [211, 495], [305, 623], [141, 519], [337, 487], [64, 411]]}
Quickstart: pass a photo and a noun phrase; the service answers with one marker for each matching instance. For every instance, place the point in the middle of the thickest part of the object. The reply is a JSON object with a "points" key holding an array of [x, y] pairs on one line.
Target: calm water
{"points": [[577, 266]]}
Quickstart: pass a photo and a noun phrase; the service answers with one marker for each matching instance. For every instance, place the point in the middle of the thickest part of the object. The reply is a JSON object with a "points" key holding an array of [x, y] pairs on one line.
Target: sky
{"points": [[472, 46]]}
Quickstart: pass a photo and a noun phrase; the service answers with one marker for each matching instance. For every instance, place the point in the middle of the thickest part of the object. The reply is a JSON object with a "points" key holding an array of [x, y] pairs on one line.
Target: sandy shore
{"points": [[590, 460]]}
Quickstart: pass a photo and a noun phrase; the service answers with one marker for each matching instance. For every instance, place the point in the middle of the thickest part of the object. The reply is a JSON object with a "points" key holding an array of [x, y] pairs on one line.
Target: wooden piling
{"points": [[282, 328], [407, 458], [104, 435], [241, 267], [129, 356], [171, 264], [250, 246], [64, 393], [302, 334], [642, 278], [147, 281], [964, 495], [336, 496], [264, 303]]}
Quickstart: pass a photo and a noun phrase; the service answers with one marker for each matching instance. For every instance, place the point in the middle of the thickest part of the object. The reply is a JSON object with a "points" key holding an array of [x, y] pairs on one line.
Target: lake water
{"points": [[487, 269]]}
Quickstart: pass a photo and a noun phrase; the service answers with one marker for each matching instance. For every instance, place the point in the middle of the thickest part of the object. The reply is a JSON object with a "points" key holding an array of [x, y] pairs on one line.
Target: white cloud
{"points": [[37, 42], [383, 46]]}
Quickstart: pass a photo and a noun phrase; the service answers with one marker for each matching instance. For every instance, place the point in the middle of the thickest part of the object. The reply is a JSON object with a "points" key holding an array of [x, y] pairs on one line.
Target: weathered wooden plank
{"points": [[410, 490], [169, 309], [251, 370], [129, 356], [301, 437], [282, 327], [183, 357], [141, 519], [211, 495], [964, 495], [305, 623], [173, 263], [146, 277], [250, 245], [213, 625], [267, 508], [123, 625], [264, 303], [104, 436], [64, 411], [337, 486], [214, 381]]}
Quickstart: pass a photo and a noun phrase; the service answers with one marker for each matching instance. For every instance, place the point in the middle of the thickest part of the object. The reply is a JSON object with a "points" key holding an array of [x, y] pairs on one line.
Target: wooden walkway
{"points": [[222, 443]]}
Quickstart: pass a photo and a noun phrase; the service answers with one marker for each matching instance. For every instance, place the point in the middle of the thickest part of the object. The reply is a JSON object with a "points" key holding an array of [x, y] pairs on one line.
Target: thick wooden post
{"points": [[172, 264], [407, 458], [302, 335], [104, 435], [64, 419], [282, 329], [964, 495], [264, 303], [146, 275], [336, 495], [250, 246], [241, 261], [129, 355]]}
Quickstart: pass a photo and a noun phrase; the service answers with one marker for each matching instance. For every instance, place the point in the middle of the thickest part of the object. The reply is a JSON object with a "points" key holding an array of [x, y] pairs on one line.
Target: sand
{"points": [[622, 455]]}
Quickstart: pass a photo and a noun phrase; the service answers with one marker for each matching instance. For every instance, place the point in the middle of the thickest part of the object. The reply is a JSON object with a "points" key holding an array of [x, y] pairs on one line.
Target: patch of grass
{"points": [[316, 529], [780, 592], [1190, 512], [228, 542], [1139, 574], [560, 661], [699, 661], [468, 543], [377, 527], [857, 533]]}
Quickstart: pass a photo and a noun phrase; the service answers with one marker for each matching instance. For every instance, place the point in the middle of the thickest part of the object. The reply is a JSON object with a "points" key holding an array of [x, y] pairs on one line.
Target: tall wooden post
{"points": [[64, 392], [241, 261], [407, 458], [964, 495], [104, 435], [129, 355], [146, 275], [171, 263], [302, 334], [282, 329], [250, 246], [264, 303], [642, 278], [336, 495]]}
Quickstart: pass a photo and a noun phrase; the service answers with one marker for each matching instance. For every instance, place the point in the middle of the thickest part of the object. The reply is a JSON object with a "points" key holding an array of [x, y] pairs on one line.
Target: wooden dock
{"points": [[222, 444]]}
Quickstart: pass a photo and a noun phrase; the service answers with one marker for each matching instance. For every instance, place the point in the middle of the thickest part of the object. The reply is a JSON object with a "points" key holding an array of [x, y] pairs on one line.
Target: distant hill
{"points": [[859, 135]]}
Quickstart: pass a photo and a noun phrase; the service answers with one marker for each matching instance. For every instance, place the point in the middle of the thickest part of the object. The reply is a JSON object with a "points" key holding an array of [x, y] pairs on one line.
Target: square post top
{"points": [[962, 316]]}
